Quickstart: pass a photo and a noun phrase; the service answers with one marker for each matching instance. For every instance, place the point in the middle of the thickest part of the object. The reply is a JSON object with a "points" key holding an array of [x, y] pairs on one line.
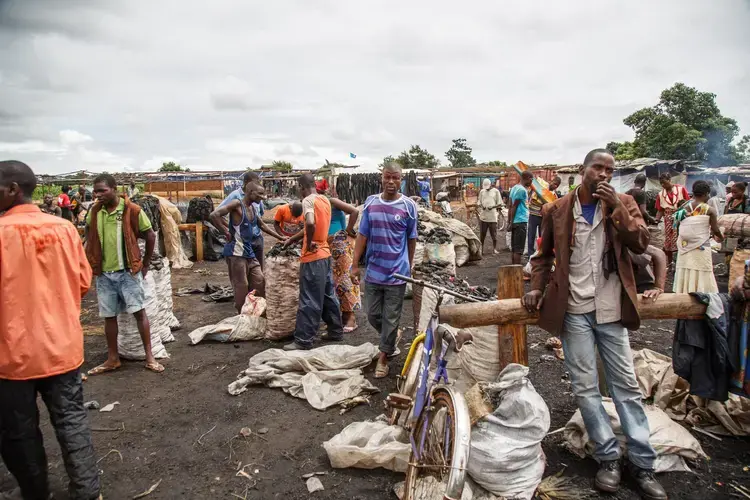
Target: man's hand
{"points": [[737, 289], [312, 247], [606, 193], [286, 242], [144, 269], [532, 301], [354, 274], [652, 294], [352, 233], [227, 235]]}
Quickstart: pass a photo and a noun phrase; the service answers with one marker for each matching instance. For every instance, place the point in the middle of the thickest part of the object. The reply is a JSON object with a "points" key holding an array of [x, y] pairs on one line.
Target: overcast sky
{"points": [[227, 84]]}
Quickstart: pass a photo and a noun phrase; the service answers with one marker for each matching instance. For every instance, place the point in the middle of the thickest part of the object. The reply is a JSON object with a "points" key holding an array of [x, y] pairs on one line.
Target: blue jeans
{"points": [[317, 299], [581, 334], [120, 292]]}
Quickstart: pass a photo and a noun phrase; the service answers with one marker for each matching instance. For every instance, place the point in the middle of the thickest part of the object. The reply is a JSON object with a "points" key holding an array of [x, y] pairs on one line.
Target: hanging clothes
{"points": [[700, 352]]}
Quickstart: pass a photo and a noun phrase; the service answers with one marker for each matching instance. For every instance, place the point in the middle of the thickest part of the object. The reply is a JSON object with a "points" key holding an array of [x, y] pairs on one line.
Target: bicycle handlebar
{"points": [[436, 288]]}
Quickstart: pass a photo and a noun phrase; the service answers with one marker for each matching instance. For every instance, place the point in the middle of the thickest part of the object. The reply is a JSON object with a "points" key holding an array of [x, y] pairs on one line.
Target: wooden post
{"points": [[199, 241], [511, 336]]}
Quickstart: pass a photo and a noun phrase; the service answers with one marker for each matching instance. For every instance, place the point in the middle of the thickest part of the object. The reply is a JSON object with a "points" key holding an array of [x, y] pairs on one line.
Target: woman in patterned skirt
{"points": [[670, 199]]}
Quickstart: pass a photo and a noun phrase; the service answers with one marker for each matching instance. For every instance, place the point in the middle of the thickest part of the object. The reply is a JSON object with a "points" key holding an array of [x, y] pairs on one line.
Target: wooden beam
{"points": [[199, 242], [511, 336], [668, 306]]}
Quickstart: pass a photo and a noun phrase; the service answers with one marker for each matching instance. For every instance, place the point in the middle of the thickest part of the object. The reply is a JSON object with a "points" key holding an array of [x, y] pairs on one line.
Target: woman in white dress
{"points": [[696, 222]]}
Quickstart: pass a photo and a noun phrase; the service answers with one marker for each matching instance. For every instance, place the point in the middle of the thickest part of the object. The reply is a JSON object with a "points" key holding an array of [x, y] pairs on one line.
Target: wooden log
{"points": [[667, 306], [199, 242], [511, 336]]}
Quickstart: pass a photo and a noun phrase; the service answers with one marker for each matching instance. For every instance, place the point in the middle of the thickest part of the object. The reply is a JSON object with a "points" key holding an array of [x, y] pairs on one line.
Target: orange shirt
{"points": [[43, 275], [320, 207], [290, 225]]}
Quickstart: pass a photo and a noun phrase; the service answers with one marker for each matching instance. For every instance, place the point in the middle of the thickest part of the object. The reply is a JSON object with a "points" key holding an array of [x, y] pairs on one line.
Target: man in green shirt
{"points": [[113, 226]]}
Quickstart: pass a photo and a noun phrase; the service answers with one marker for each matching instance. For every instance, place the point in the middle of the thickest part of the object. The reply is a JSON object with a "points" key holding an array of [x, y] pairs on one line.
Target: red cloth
{"points": [[321, 186], [63, 201]]}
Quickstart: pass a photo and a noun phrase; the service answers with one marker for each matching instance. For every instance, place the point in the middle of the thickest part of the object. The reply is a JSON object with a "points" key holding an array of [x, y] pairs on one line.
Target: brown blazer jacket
{"points": [[627, 231]]}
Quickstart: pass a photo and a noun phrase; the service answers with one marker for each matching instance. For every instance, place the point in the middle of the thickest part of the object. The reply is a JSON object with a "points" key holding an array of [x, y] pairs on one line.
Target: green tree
{"points": [[743, 150], [417, 157], [386, 160], [281, 166], [497, 163], [686, 124], [459, 155], [170, 166]]}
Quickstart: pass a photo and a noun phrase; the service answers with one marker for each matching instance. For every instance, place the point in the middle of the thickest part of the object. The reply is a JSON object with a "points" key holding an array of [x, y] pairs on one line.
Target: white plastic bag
{"points": [[248, 325], [369, 445], [506, 451], [129, 343], [164, 319], [671, 441], [461, 247], [478, 361], [441, 253]]}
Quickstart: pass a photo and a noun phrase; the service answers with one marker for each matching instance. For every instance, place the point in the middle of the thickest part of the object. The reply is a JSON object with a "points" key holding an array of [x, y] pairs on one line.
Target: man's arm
{"points": [[348, 209], [713, 220], [84, 268], [630, 225], [411, 245], [359, 249], [58, 211], [217, 216], [310, 231], [544, 259], [264, 227], [150, 236], [511, 214], [277, 226]]}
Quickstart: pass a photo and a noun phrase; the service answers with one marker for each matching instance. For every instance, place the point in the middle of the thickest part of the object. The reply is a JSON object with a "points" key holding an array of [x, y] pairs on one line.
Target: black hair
{"points": [[296, 208], [701, 188], [307, 181], [591, 154], [393, 166], [665, 177], [640, 180], [250, 177], [65, 188], [16, 171], [742, 186], [527, 175], [557, 178], [106, 179]]}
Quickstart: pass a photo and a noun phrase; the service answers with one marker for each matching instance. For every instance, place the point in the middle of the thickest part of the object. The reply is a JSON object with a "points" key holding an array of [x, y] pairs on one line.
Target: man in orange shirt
{"points": [[288, 219], [317, 295], [43, 275]]}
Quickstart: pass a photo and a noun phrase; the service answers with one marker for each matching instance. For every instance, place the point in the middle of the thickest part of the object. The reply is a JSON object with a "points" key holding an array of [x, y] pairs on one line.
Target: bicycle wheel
{"points": [[442, 435]]}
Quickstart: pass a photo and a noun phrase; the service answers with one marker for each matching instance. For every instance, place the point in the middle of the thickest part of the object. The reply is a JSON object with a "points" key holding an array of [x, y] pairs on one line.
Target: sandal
{"points": [[381, 370], [155, 367], [350, 329], [102, 369]]}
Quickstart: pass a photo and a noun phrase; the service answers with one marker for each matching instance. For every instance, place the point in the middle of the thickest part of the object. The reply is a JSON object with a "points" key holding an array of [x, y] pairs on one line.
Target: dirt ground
{"points": [[178, 425]]}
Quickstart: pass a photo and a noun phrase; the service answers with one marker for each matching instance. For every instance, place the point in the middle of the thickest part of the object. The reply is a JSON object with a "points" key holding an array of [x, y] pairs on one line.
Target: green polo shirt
{"points": [[109, 226]]}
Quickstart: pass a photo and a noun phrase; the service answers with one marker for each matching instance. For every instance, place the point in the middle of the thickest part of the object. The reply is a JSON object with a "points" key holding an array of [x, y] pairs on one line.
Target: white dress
{"points": [[694, 271]]}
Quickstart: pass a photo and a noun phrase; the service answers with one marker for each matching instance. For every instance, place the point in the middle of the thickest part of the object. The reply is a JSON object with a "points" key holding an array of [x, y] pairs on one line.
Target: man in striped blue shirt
{"points": [[388, 229]]}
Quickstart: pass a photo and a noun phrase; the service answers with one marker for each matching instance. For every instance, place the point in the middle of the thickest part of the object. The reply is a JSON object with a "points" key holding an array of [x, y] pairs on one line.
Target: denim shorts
{"points": [[120, 292]]}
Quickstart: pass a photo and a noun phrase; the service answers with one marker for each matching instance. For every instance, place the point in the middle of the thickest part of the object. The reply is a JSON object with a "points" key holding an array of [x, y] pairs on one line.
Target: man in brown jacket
{"points": [[590, 301], [113, 226]]}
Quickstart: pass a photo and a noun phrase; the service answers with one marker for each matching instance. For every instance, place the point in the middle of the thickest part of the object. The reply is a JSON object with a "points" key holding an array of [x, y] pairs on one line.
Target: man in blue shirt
{"points": [[388, 229], [424, 190], [239, 194], [518, 216]]}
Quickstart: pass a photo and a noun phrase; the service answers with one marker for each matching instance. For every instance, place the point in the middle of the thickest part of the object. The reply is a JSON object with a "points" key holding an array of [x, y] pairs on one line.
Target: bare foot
{"points": [[105, 367]]}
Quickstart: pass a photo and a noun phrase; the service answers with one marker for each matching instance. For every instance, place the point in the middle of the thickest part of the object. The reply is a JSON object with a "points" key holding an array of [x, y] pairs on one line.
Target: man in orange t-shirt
{"points": [[317, 295], [43, 275], [288, 219]]}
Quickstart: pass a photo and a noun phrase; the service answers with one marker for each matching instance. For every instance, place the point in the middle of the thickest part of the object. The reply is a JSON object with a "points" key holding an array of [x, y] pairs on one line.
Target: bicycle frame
{"points": [[424, 385]]}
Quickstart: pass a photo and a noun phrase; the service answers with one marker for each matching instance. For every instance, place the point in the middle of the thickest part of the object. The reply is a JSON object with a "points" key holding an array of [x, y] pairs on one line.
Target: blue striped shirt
{"points": [[388, 225]]}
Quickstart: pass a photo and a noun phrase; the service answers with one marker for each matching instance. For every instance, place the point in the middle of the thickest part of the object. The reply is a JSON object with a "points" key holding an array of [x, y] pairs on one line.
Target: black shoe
{"points": [[648, 486], [609, 475], [326, 337]]}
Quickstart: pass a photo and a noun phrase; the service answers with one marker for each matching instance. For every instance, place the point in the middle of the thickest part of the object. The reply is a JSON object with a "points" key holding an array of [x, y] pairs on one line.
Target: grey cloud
{"points": [[244, 83]]}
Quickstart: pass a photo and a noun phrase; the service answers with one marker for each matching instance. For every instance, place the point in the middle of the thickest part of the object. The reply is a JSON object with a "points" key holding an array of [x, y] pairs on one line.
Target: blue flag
{"points": [[352, 155]]}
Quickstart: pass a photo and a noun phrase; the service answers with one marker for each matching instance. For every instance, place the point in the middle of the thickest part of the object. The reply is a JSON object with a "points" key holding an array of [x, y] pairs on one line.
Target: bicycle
{"points": [[437, 417]]}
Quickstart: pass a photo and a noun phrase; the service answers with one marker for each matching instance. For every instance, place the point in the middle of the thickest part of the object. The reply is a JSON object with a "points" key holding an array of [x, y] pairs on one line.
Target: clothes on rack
{"points": [[355, 188]]}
